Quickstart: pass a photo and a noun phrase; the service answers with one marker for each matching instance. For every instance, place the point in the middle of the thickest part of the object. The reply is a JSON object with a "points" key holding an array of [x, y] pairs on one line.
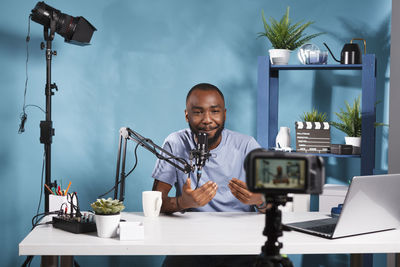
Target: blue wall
{"points": [[143, 59]]}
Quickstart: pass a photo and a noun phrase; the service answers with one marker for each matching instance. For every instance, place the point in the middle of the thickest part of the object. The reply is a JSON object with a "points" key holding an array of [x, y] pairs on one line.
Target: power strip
{"points": [[73, 225]]}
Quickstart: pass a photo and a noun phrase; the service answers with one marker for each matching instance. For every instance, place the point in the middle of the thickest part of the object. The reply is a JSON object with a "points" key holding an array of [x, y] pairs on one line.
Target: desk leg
{"points": [[361, 260], [49, 261], [393, 260], [356, 260], [67, 261]]}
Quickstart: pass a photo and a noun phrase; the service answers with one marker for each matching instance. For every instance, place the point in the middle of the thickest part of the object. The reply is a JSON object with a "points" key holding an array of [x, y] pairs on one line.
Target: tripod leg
{"points": [[262, 261], [286, 262]]}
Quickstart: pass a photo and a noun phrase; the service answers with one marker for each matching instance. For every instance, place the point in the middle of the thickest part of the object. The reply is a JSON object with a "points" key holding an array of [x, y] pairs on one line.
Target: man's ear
{"points": [[186, 116], [224, 114]]}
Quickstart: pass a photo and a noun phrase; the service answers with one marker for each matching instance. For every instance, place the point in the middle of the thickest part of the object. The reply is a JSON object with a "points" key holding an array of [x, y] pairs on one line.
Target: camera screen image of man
{"points": [[222, 186]]}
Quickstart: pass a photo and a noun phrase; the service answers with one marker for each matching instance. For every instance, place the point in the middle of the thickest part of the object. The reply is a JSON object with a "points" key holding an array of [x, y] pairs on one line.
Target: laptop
{"points": [[372, 204]]}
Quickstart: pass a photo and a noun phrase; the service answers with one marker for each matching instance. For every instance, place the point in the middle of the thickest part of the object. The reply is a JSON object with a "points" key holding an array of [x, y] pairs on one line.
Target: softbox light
{"points": [[75, 30]]}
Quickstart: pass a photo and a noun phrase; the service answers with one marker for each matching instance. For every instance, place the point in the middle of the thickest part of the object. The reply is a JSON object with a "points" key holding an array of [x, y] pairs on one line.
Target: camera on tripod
{"points": [[275, 174], [280, 173]]}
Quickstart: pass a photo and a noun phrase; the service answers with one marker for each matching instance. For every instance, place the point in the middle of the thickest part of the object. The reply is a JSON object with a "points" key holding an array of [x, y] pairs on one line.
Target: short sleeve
{"points": [[251, 145], [164, 171]]}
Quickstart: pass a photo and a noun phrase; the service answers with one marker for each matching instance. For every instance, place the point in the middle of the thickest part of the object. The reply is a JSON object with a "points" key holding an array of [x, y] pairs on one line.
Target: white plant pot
{"points": [[107, 225], [354, 141], [279, 56]]}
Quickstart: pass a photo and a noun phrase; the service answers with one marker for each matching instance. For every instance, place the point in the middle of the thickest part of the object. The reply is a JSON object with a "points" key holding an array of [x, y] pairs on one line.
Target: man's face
{"points": [[205, 112]]}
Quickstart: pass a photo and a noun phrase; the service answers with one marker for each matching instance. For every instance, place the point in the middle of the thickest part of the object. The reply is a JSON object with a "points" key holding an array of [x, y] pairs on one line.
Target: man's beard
{"points": [[214, 139]]}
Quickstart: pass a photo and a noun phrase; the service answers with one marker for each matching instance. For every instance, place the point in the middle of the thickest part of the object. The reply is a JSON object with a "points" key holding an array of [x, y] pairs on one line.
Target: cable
{"points": [[35, 223], [119, 181], [28, 261], [151, 147], [70, 200], [38, 217], [23, 116], [136, 161], [41, 183]]}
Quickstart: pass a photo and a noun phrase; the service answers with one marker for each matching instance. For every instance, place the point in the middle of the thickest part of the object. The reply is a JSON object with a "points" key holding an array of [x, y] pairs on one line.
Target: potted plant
{"points": [[285, 37], [107, 216], [313, 133], [350, 123]]}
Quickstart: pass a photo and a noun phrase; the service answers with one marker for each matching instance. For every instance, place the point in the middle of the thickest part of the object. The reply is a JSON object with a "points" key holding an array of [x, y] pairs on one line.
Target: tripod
{"points": [[270, 256]]}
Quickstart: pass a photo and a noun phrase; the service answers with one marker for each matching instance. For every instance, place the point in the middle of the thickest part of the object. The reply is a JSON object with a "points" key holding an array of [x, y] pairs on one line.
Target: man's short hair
{"points": [[205, 87]]}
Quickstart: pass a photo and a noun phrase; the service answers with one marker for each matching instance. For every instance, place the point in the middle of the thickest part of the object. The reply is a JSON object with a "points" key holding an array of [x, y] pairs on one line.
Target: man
{"points": [[222, 186]]}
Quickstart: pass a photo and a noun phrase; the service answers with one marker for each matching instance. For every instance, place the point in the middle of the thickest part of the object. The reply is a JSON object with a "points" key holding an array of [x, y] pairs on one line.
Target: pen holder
{"points": [[57, 203]]}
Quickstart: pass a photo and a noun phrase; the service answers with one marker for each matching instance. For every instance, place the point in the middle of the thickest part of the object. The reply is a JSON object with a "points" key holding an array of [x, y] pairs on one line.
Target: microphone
{"points": [[200, 154]]}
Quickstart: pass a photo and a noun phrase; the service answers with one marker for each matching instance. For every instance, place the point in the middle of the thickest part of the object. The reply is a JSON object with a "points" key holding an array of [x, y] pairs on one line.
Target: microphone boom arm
{"points": [[126, 134]]}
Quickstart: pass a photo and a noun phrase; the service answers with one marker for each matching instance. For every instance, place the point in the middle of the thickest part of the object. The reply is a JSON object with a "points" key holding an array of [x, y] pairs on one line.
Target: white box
{"points": [[57, 203], [300, 203], [332, 196], [131, 231]]}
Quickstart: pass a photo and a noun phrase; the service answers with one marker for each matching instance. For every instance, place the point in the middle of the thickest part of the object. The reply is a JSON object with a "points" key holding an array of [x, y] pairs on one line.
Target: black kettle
{"points": [[351, 53]]}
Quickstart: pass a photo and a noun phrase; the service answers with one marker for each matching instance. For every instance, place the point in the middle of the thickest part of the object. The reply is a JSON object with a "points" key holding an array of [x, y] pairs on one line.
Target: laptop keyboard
{"points": [[327, 229]]}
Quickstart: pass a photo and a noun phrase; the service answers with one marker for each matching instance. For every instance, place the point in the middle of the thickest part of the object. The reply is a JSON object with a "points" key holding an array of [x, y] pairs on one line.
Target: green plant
{"points": [[350, 119], [314, 116], [283, 35], [107, 206]]}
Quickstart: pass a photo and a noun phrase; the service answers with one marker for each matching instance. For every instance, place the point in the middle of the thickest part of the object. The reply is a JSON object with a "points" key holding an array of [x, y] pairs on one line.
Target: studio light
{"points": [[75, 30]]}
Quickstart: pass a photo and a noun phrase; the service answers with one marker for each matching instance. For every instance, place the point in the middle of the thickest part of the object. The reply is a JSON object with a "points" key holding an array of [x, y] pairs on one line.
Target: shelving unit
{"points": [[268, 99], [267, 111]]}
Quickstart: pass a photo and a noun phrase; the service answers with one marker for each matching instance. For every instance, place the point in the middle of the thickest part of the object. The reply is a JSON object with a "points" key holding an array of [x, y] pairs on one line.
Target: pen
{"points": [[54, 191], [59, 191], [48, 189], [68, 187]]}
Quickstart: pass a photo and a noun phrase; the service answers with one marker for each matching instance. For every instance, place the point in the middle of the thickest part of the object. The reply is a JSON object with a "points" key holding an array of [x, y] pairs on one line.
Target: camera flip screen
{"points": [[280, 173]]}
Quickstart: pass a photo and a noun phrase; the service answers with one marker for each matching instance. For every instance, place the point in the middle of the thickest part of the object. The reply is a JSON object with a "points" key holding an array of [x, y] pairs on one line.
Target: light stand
{"points": [[124, 135], [270, 255], [46, 126], [75, 30]]}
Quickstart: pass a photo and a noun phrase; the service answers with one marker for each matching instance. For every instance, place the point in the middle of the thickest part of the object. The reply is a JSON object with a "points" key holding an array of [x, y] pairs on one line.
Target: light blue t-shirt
{"points": [[225, 163]]}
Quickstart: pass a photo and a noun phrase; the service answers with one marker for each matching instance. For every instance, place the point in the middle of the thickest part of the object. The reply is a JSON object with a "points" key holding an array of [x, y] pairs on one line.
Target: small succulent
{"points": [[314, 116], [107, 206]]}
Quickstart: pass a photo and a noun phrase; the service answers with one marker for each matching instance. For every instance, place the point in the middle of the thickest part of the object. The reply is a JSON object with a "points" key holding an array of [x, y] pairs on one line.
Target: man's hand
{"points": [[199, 197], [240, 191]]}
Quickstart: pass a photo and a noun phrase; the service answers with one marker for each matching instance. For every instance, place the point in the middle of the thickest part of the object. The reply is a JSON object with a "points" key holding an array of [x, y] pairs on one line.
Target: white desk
{"points": [[203, 233]]}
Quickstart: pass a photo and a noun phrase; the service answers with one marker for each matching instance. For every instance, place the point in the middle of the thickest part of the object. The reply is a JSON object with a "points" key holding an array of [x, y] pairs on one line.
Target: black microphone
{"points": [[200, 154]]}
